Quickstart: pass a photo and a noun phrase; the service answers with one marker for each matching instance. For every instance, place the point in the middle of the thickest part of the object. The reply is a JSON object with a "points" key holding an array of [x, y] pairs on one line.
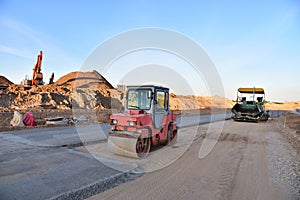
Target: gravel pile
{"points": [[285, 161]]}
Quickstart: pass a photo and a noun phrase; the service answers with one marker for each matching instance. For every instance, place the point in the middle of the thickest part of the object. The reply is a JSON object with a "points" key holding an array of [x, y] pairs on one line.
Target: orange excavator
{"points": [[37, 77]]}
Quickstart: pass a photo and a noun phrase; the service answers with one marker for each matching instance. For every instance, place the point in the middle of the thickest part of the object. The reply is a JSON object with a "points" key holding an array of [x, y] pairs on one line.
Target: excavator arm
{"points": [[37, 77]]}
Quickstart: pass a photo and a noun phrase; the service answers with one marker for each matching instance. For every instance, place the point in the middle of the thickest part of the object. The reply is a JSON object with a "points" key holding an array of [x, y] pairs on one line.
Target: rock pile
{"points": [[4, 82], [76, 89]]}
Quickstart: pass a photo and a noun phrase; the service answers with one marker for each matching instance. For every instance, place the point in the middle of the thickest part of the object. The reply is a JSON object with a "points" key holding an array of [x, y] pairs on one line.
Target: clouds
{"points": [[14, 51], [19, 45], [15, 38], [262, 55], [257, 38]]}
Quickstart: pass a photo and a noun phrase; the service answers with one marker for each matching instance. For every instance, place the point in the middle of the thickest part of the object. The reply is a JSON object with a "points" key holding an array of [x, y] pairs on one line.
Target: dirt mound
{"points": [[191, 102], [16, 97], [84, 80], [90, 90], [4, 81], [282, 106], [83, 90]]}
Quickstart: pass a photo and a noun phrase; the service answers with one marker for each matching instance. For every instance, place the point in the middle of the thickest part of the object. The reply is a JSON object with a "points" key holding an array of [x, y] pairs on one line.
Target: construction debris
{"points": [[28, 119], [91, 92], [17, 120], [4, 82], [296, 111], [57, 121]]}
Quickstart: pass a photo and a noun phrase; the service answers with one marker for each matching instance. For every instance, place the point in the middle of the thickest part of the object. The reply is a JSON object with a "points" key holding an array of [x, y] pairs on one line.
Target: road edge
{"points": [[98, 186]]}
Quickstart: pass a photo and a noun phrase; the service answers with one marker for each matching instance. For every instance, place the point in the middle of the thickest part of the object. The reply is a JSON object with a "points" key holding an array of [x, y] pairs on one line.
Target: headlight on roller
{"points": [[114, 122], [131, 123]]}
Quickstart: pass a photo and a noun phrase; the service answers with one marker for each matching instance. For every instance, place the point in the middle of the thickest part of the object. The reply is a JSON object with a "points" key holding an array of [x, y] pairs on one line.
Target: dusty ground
{"points": [[250, 161], [291, 129], [293, 121]]}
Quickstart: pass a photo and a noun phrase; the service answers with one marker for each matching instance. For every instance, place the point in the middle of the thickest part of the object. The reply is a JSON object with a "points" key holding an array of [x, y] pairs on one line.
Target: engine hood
{"points": [[139, 118]]}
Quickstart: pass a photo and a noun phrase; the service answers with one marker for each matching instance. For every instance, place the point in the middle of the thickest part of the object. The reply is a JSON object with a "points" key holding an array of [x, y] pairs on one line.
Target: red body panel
{"points": [[144, 125]]}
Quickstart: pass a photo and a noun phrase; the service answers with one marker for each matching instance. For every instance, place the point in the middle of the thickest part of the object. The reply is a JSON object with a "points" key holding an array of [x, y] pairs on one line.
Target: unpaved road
{"points": [[250, 161]]}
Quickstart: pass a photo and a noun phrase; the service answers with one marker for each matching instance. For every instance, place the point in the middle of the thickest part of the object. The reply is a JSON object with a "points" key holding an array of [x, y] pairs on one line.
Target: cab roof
{"points": [[252, 90], [146, 86]]}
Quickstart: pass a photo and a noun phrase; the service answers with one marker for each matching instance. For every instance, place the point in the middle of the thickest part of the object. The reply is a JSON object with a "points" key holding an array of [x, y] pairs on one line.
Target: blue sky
{"points": [[252, 43]]}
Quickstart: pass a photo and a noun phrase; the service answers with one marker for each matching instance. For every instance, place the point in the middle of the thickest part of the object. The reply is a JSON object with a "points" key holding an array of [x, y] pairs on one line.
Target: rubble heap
{"points": [[76, 89], [4, 82]]}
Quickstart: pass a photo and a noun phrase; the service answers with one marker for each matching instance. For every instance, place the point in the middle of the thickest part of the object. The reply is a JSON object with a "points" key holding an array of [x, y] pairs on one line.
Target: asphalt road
{"points": [[74, 135], [68, 136], [29, 172], [249, 161], [42, 163]]}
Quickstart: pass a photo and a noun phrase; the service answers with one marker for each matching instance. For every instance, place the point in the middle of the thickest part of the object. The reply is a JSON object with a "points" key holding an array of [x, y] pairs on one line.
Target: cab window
{"points": [[161, 101]]}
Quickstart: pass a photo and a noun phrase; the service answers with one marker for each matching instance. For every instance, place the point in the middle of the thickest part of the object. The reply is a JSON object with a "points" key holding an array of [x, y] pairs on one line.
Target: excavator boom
{"points": [[37, 77]]}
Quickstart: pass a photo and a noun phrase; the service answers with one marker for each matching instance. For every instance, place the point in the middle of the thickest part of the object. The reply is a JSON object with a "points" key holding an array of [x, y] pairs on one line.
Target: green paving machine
{"points": [[250, 105]]}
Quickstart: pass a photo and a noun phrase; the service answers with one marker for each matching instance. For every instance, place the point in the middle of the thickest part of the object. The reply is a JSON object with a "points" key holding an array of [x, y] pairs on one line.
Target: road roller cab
{"points": [[147, 122]]}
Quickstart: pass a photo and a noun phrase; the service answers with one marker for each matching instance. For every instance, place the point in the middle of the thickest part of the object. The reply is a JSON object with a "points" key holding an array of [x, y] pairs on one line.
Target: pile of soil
{"points": [[282, 106], [4, 82], [90, 90], [83, 90], [180, 102], [84, 80]]}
